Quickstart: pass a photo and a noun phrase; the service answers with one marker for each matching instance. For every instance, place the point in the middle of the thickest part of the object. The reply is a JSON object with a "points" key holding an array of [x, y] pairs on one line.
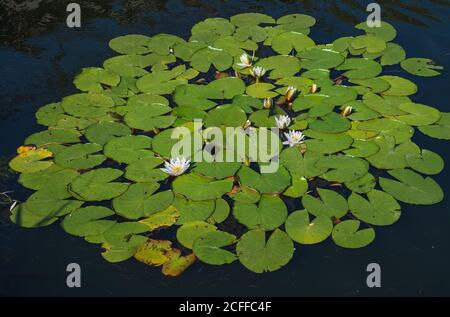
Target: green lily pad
{"points": [[221, 212], [362, 185], [280, 66], [60, 136], [88, 221], [197, 187], [391, 156], [370, 43], [210, 29], [388, 127], [418, 114], [31, 161], [439, 130], [298, 188], [161, 219], [191, 210], [302, 230], [161, 82], [191, 231], [316, 58], [265, 183], [203, 59], [327, 143], [164, 43], [53, 176], [209, 248], [102, 132], [426, 162], [347, 235], [381, 209], [259, 255], [97, 185], [343, 168], [149, 117], [87, 105], [140, 200], [392, 55], [243, 19], [92, 79], [412, 188], [227, 115], [285, 42], [261, 90], [399, 86], [44, 207], [80, 156], [131, 44], [269, 214], [128, 149], [145, 170], [385, 31], [330, 123], [360, 68], [421, 67], [363, 148], [330, 204]]}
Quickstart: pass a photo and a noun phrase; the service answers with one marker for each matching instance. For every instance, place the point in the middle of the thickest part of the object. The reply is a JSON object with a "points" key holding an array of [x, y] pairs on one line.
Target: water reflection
{"points": [[22, 19]]}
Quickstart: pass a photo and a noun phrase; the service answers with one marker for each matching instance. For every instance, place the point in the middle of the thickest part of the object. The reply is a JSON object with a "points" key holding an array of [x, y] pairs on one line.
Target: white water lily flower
{"points": [[258, 71], [283, 121], [246, 61], [176, 166], [294, 138], [290, 92]]}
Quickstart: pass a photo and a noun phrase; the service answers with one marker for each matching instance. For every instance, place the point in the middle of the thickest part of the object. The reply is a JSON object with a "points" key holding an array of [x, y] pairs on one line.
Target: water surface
{"points": [[39, 58]]}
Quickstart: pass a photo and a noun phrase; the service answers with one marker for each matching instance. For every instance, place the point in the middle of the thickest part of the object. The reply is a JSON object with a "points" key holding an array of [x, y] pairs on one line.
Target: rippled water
{"points": [[39, 57]]}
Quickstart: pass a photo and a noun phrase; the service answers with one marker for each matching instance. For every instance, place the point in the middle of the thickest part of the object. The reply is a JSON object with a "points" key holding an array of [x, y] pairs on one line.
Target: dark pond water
{"points": [[39, 57]]}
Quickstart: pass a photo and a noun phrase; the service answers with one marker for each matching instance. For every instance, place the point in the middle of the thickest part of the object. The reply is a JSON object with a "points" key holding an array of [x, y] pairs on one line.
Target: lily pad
{"points": [[347, 235], [330, 204], [285, 42], [97, 185], [426, 162], [80, 156], [268, 214], [316, 58], [412, 188], [197, 187], [302, 230], [31, 161], [421, 67], [265, 183], [381, 209], [140, 200], [259, 255], [191, 231], [209, 248], [92, 79], [88, 221], [128, 149]]}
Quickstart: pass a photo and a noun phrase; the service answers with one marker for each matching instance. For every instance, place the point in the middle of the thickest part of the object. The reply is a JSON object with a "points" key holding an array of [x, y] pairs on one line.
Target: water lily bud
{"points": [[258, 71], [313, 88], [290, 93], [247, 124], [347, 111], [268, 103]]}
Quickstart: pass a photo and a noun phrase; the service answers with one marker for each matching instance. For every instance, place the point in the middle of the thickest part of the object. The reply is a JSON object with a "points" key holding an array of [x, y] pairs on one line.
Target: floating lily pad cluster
{"points": [[97, 167]]}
